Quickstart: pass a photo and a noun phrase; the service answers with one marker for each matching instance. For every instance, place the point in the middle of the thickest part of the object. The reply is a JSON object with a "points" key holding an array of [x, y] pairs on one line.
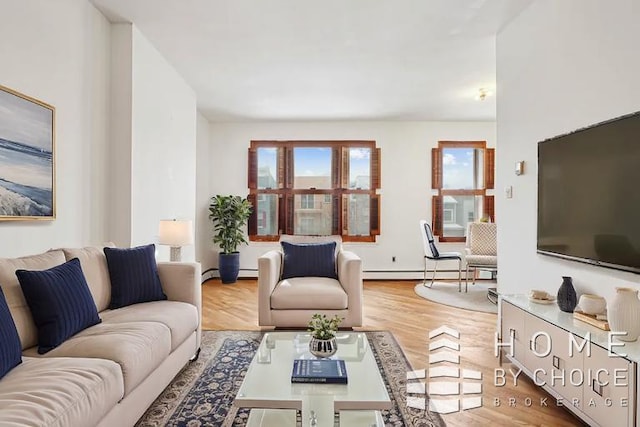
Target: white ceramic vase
{"points": [[623, 313]]}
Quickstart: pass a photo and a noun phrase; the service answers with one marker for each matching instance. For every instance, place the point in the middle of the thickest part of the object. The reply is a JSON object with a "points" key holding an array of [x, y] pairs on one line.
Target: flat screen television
{"points": [[589, 194]]}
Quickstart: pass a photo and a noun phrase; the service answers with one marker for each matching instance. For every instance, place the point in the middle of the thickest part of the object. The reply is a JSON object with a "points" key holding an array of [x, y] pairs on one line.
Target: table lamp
{"points": [[175, 233]]}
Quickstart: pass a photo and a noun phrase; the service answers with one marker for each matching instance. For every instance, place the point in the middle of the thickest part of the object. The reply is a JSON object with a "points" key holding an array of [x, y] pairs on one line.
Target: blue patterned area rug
{"points": [[202, 393]]}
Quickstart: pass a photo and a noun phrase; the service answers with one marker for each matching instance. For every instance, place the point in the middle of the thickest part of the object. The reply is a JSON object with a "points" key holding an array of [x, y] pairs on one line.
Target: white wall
{"points": [[119, 218], [153, 150], [562, 65], [163, 154], [406, 179], [58, 52], [205, 164]]}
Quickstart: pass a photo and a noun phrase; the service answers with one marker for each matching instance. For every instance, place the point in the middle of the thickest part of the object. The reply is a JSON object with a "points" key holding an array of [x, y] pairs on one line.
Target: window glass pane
{"points": [[463, 168], [360, 168], [312, 215], [267, 168], [479, 168], [312, 167], [458, 211], [358, 224], [267, 212]]}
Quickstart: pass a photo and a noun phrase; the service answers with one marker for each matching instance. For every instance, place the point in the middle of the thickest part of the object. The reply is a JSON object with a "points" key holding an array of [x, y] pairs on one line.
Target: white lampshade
{"points": [[175, 232]]}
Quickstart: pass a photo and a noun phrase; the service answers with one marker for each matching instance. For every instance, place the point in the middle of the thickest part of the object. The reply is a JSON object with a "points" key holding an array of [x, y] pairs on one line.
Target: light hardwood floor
{"points": [[393, 306]]}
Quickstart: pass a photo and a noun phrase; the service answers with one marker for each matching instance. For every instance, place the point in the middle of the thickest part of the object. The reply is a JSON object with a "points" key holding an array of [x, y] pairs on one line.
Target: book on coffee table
{"points": [[319, 371]]}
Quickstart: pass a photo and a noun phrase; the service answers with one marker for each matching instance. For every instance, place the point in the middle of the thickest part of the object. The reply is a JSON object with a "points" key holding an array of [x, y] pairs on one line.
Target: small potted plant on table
{"points": [[323, 335]]}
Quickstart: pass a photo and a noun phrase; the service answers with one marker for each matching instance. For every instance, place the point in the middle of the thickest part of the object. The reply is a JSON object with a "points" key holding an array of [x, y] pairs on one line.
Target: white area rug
{"points": [[447, 293]]}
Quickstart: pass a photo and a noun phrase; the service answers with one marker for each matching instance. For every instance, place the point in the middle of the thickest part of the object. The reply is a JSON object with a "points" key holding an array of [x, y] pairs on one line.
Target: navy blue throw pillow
{"points": [[134, 276], [313, 259], [60, 302], [11, 349]]}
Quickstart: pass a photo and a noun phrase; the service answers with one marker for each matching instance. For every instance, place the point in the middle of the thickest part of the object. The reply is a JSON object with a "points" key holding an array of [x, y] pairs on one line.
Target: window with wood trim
{"points": [[461, 172], [314, 188]]}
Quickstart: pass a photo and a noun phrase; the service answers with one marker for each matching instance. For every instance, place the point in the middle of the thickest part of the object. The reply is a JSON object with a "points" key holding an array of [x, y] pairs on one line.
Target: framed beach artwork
{"points": [[27, 167]]}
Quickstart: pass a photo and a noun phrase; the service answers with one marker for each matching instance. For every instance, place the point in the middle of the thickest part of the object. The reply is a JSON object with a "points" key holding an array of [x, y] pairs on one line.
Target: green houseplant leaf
{"points": [[229, 215], [322, 327]]}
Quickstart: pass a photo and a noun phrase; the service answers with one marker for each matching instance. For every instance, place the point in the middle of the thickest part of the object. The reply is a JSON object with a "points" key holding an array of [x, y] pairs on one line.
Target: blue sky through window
{"points": [[312, 161], [267, 165], [316, 161], [360, 167], [457, 171]]}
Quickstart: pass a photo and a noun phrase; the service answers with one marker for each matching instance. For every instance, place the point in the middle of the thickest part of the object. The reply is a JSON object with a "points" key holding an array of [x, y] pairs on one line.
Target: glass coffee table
{"points": [[274, 400]]}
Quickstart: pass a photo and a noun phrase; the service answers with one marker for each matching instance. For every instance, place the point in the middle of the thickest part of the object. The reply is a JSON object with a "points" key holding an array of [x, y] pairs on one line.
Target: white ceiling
{"points": [[330, 59]]}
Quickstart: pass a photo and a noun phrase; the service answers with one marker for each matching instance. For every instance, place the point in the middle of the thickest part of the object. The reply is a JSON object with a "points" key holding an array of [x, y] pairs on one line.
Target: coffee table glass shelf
{"points": [[274, 400]]}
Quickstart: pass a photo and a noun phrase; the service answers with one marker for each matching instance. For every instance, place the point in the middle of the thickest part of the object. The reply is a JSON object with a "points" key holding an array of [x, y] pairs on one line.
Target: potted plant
{"points": [[229, 215], [323, 335]]}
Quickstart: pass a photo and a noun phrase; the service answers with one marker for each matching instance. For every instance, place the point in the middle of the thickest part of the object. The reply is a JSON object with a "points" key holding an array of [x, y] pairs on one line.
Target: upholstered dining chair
{"points": [[432, 253], [481, 251]]}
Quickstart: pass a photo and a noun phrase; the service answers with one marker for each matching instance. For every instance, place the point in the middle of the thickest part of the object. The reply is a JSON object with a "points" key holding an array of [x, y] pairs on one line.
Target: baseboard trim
{"points": [[251, 273]]}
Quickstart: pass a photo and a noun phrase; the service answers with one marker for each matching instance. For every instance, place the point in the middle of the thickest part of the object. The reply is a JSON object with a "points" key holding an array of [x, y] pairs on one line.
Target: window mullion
{"points": [[289, 168], [344, 170], [336, 170]]}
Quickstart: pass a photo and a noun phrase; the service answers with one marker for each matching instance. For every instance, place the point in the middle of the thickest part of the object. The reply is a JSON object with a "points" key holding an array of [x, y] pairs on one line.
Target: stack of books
{"points": [[319, 371]]}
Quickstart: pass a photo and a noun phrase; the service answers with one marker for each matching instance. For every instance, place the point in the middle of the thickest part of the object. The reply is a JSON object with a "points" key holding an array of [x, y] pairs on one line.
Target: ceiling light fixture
{"points": [[482, 94]]}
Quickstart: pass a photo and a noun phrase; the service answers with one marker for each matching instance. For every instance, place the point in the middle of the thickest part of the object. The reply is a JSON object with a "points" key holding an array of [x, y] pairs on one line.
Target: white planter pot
{"points": [[623, 313]]}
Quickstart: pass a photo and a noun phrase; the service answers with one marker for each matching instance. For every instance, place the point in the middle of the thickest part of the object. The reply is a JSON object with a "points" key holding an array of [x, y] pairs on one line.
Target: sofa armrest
{"points": [[269, 266], [181, 281], [350, 277]]}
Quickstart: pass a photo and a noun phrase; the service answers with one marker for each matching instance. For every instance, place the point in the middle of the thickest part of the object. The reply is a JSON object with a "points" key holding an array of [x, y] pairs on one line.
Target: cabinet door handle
{"points": [[596, 387], [532, 345], [556, 362], [512, 332]]}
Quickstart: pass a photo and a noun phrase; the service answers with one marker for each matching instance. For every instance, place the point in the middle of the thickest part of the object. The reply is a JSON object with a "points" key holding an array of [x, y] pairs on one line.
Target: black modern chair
{"points": [[431, 253]]}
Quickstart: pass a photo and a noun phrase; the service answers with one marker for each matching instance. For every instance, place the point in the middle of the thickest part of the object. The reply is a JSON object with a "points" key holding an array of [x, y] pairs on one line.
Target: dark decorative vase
{"points": [[567, 298], [229, 267]]}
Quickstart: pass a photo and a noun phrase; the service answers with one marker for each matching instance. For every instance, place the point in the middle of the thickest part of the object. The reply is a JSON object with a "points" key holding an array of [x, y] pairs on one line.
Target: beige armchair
{"points": [[291, 302]]}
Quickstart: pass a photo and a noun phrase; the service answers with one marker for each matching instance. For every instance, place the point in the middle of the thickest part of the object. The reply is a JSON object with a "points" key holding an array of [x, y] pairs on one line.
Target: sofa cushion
{"points": [[13, 293], [309, 293], [138, 347], [309, 260], [60, 392], [94, 266], [181, 318], [60, 302], [134, 276], [10, 349]]}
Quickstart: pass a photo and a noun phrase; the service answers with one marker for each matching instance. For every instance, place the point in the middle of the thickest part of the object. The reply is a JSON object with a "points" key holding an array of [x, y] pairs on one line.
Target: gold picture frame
{"points": [[27, 157]]}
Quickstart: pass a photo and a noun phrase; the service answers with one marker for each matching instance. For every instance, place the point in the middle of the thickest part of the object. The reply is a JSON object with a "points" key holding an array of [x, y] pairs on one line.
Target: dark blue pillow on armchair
{"points": [[309, 259], [60, 302], [134, 276], [11, 349]]}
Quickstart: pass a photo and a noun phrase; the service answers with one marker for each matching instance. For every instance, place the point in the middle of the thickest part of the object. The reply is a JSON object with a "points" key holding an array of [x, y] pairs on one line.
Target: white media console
{"points": [[593, 372]]}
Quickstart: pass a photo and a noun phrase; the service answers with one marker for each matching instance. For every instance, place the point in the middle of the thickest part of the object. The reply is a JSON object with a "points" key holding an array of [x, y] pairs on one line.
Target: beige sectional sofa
{"points": [[109, 373]]}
